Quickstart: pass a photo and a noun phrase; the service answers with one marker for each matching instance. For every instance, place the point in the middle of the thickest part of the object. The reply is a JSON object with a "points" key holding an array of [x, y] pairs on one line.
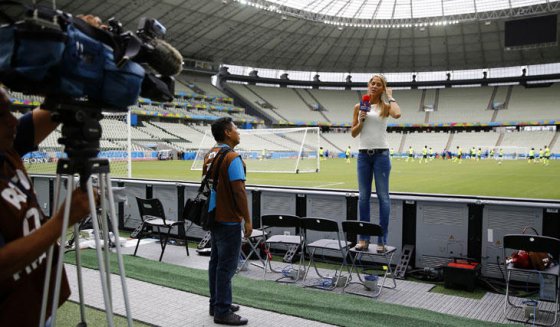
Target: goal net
{"points": [[114, 145], [275, 150], [509, 152]]}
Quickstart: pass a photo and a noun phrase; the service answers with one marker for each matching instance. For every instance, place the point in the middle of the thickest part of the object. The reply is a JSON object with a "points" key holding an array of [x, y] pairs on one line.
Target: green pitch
{"points": [[513, 178]]}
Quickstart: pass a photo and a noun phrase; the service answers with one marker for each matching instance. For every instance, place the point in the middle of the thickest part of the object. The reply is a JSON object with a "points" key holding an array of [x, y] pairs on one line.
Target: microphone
{"points": [[365, 105], [164, 58]]}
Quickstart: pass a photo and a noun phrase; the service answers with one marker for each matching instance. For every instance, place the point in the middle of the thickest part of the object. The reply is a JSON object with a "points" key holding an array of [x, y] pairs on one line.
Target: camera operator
{"points": [[25, 234]]}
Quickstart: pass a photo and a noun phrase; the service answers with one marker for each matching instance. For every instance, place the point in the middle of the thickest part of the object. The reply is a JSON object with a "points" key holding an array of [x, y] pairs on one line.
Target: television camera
{"points": [[82, 70]]}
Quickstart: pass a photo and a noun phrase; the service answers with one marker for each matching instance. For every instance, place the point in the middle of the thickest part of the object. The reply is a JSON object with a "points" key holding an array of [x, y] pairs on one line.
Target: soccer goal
{"points": [[115, 145], [274, 150], [509, 152]]}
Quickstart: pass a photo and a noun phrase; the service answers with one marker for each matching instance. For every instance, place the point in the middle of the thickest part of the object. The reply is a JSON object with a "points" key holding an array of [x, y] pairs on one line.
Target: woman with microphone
{"points": [[370, 123]]}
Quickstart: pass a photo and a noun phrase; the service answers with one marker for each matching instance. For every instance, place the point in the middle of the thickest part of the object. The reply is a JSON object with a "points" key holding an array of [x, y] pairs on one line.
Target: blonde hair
{"points": [[384, 106]]}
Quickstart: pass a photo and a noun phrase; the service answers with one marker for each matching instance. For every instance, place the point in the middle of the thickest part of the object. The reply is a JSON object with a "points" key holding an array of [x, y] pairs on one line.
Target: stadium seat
{"points": [[153, 216], [284, 231], [330, 228], [370, 282], [517, 309]]}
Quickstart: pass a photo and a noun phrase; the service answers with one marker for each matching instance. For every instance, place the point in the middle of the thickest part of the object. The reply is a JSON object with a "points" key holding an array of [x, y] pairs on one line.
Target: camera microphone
{"points": [[365, 105], [165, 59]]}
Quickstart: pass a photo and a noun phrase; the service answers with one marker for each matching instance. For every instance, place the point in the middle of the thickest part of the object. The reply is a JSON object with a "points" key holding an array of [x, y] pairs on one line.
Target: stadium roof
{"points": [[336, 35], [400, 9]]}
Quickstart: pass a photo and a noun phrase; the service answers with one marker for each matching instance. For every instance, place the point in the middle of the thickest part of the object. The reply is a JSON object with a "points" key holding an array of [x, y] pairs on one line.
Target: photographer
{"points": [[25, 234]]}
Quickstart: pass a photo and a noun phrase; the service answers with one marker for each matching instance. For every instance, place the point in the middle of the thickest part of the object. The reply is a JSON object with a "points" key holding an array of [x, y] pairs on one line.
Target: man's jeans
{"points": [[226, 244], [378, 165]]}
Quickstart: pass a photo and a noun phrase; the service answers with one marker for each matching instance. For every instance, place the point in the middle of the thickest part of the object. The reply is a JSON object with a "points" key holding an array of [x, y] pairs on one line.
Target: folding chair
{"points": [[548, 278], [153, 215], [371, 230], [333, 244], [258, 236], [290, 239]]}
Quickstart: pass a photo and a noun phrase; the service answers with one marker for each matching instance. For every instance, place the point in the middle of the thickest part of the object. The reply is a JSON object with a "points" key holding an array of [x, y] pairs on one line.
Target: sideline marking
{"points": [[329, 184]]}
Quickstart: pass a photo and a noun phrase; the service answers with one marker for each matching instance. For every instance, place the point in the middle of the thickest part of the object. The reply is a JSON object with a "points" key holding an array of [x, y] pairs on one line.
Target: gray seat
{"points": [[331, 245], [513, 309], [283, 231], [255, 241], [371, 230]]}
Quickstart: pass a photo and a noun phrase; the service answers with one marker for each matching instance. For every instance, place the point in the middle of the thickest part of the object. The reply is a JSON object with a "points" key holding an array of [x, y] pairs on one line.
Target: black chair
{"points": [[548, 277], [371, 230], [283, 231], [330, 228], [153, 216]]}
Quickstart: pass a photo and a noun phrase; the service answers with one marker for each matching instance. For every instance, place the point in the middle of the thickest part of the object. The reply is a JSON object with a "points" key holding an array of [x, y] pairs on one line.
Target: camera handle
{"points": [[67, 169]]}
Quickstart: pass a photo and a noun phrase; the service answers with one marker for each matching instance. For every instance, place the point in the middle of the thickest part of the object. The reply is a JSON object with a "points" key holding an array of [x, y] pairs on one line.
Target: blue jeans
{"points": [[378, 165], [226, 245]]}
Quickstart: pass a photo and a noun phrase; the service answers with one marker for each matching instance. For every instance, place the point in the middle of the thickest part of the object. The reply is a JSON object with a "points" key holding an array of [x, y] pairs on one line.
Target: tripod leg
{"points": [[106, 238], [60, 262], [108, 307], [50, 255], [79, 274], [114, 222]]}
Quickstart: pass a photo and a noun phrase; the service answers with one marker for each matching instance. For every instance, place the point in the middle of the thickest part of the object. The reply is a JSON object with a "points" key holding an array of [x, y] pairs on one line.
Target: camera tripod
{"points": [[81, 132]]}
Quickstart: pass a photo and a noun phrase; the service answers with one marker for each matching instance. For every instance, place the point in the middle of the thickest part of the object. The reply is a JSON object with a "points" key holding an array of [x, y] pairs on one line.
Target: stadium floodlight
{"points": [[273, 150]]}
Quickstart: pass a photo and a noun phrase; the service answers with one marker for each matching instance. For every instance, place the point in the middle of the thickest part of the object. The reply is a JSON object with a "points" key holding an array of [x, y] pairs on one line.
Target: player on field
{"points": [[546, 155], [424, 154], [410, 154], [531, 156]]}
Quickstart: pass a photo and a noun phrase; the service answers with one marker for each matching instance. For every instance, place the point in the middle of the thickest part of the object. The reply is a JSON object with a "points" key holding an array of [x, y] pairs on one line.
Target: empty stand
{"points": [[437, 141], [467, 140], [463, 105], [531, 104], [533, 139]]}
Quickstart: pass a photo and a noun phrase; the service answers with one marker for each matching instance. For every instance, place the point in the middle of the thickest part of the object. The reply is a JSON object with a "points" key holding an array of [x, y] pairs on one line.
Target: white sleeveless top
{"points": [[374, 131]]}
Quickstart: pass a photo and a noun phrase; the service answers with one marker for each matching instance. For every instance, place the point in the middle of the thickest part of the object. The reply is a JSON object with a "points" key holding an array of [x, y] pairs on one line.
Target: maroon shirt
{"points": [[20, 215]]}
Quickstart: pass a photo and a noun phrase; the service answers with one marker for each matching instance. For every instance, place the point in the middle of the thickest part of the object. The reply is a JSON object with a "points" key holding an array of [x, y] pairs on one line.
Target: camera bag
{"points": [[201, 209], [89, 68], [28, 51]]}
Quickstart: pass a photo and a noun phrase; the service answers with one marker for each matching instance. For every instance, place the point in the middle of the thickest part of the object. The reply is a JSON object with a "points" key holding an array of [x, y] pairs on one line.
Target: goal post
{"points": [[273, 150], [115, 144]]}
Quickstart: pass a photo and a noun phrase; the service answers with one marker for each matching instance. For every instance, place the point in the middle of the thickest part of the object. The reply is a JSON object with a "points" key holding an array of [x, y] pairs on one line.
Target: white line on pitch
{"points": [[330, 184]]}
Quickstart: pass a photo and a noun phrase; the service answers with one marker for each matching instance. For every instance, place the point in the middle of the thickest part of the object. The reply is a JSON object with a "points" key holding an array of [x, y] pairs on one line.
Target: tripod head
{"points": [[81, 132]]}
